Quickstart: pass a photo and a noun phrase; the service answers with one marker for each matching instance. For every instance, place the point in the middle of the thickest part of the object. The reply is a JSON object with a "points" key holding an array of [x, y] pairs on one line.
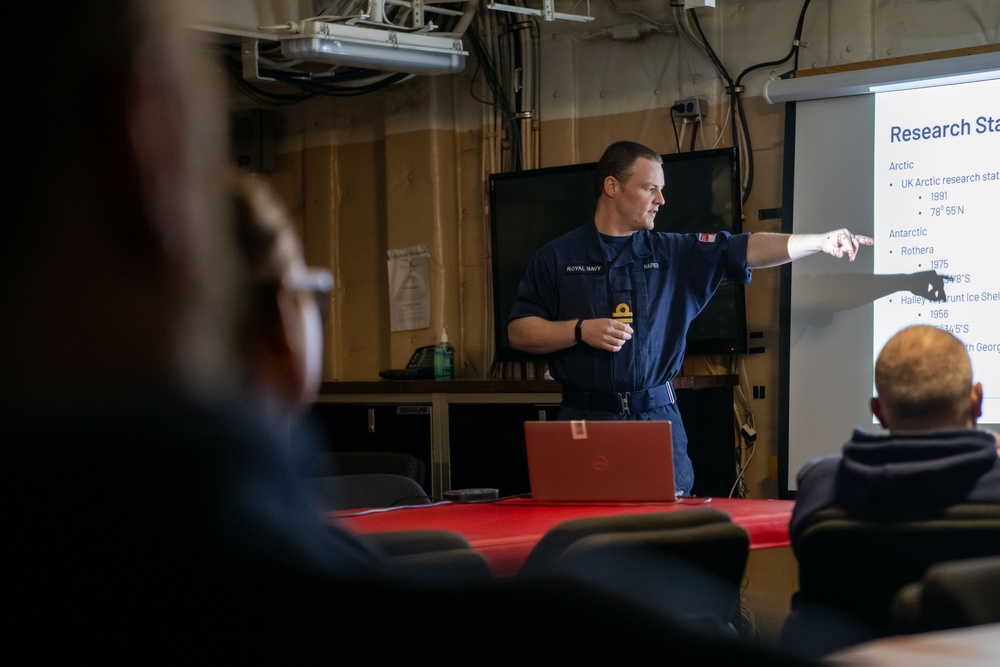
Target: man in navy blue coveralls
{"points": [[611, 301]]}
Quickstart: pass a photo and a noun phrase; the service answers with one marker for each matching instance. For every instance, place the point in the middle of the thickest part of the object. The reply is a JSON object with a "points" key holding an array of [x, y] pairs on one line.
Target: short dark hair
{"points": [[617, 161]]}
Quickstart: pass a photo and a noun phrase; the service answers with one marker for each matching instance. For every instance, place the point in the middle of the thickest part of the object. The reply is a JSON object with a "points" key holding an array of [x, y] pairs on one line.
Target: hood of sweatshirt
{"points": [[913, 470]]}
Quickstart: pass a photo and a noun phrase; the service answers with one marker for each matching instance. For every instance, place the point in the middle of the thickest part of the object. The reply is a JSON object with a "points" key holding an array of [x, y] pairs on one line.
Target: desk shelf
{"points": [[470, 432]]}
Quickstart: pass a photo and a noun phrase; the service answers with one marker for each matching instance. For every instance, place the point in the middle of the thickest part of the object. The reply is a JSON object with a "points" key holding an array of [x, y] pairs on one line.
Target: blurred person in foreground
{"points": [[155, 514], [280, 338], [932, 456], [153, 501]]}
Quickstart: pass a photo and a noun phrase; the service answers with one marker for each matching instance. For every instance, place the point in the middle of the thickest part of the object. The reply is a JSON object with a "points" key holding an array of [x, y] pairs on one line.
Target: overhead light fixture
{"points": [[389, 50]]}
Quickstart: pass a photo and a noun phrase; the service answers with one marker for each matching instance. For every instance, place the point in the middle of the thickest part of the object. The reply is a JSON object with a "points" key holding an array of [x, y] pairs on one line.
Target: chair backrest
{"points": [[688, 565], [720, 548], [559, 538], [369, 462], [432, 556], [409, 542], [954, 594], [693, 574], [852, 568], [343, 492]]}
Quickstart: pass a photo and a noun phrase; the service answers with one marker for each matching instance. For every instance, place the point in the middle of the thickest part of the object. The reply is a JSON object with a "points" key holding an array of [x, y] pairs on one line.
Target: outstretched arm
{"points": [[766, 249], [537, 335]]}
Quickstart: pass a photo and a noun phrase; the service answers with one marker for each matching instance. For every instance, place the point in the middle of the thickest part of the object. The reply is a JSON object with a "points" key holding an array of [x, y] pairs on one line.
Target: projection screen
{"points": [[909, 155]]}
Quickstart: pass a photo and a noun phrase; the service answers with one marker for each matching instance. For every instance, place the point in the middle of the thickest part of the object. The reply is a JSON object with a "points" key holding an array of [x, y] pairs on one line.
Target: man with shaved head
{"points": [[933, 456]]}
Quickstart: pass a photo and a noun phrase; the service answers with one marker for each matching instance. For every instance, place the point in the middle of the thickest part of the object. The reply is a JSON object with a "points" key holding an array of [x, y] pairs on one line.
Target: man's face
{"points": [[640, 196]]}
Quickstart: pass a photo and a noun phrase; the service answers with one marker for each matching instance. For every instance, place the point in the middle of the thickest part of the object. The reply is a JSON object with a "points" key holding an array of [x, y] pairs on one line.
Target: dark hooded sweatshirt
{"points": [[901, 474]]}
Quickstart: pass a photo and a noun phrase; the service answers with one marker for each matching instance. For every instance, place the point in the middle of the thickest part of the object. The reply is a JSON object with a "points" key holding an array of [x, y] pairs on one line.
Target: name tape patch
{"points": [[583, 269]]}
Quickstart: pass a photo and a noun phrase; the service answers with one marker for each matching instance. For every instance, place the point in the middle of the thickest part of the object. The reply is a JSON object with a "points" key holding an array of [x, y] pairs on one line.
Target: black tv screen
{"points": [[530, 208]]}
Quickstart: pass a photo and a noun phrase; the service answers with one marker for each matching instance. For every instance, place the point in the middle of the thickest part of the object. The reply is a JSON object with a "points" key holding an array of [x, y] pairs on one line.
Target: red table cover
{"points": [[505, 531]]}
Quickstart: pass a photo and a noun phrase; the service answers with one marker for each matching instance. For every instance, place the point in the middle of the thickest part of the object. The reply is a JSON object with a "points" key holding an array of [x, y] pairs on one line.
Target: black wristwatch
{"points": [[579, 331]]}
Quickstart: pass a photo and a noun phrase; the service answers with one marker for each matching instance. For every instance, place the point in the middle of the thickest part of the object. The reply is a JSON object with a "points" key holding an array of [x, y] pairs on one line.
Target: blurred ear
{"points": [[292, 342], [876, 407], [273, 357], [976, 402]]}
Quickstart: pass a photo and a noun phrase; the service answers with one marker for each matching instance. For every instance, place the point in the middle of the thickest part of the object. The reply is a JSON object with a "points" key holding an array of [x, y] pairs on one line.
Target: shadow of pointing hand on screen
{"points": [[820, 297], [929, 285]]}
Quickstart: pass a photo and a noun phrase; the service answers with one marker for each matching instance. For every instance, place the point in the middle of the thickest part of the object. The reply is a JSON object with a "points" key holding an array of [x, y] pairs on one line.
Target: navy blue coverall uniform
{"points": [[657, 284]]}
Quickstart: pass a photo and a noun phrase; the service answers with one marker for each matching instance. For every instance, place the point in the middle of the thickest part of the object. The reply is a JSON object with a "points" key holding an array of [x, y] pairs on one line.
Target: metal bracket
{"points": [[251, 61], [547, 12]]}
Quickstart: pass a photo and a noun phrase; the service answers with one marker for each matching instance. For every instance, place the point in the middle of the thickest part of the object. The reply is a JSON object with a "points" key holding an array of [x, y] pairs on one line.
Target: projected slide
{"points": [[937, 219]]}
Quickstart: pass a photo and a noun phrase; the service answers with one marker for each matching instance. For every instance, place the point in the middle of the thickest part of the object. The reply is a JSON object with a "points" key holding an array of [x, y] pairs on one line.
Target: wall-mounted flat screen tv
{"points": [[529, 208]]}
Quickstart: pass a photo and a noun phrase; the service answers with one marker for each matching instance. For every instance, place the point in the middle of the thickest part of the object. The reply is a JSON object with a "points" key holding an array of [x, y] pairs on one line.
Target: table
{"points": [[977, 646], [505, 531]]}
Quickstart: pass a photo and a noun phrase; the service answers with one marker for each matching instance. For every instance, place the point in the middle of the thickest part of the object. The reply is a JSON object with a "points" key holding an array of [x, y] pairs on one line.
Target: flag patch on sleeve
{"points": [[706, 238]]}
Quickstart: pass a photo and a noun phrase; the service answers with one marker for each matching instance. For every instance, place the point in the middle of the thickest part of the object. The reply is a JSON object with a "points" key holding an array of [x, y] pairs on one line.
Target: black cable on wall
{"points": [[734, 88]]}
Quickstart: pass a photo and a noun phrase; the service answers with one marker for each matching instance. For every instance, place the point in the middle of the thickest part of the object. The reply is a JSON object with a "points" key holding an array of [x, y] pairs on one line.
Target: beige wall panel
{"points": [[586, 72], [767, 127], [908, 27], [343, 214], [475, 297], [572, 141], [428, 125], [320, 239], [331, 173], [338, 121], [763, 296], [362, 289], [576, 140], [440, 102], [558, 144], [422, 209], [849, 36], [288, 181]]}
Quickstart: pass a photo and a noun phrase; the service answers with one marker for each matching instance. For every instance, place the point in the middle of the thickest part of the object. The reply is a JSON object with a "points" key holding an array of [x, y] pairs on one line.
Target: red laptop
{"points": [[606, 461]]}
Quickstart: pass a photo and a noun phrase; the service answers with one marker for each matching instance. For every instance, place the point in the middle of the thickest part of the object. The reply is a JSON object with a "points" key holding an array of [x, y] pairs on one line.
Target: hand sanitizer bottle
{"points": [[444, 358]]}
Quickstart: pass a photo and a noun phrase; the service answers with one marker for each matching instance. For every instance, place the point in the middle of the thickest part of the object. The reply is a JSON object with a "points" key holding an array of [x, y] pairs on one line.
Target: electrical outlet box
{"points": [[690, 107], [628, 31]]}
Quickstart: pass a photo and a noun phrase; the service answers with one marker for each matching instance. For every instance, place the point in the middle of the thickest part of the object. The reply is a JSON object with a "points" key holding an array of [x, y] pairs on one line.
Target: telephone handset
{"points": [[419, 367]]}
